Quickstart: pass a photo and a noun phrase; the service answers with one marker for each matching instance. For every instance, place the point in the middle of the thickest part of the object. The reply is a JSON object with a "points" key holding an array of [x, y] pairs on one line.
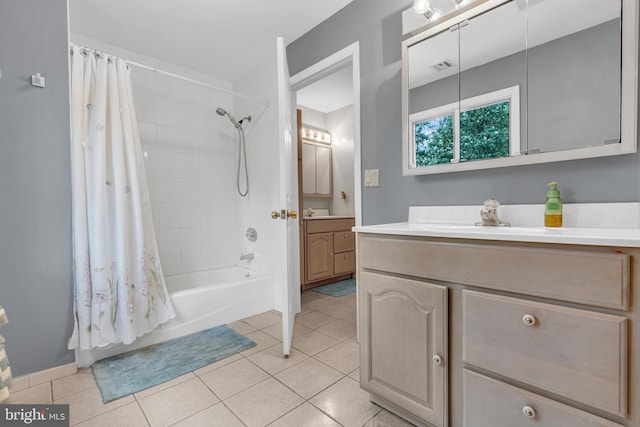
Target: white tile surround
{"points": [[190, 152], [263, 159]]}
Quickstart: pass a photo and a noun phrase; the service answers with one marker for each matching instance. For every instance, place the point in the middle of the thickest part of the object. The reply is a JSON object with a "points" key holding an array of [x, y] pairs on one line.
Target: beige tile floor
{"points": [[316, 386]]}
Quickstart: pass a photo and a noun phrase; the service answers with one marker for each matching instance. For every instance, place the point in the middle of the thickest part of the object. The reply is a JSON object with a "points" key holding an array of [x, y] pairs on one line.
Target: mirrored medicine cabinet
{"points": [[317, 171], [512, 82]]}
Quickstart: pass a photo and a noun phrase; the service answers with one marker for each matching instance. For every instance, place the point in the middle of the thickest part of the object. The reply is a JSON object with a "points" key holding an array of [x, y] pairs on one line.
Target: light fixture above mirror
{"points": [[431, 13]]}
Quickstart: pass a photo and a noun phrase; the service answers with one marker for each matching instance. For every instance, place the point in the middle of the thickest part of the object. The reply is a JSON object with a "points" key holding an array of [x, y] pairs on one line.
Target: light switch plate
{"points": [[371, 177]]}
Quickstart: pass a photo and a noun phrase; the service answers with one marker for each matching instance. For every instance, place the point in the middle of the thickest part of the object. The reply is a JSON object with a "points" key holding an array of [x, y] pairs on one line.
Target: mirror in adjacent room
{"points": [[521, 82], [316, 163]]}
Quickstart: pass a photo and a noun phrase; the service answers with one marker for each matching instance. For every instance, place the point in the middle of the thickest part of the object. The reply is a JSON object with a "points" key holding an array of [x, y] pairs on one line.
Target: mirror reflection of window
{"points": [[434, 141], [483, 127]]}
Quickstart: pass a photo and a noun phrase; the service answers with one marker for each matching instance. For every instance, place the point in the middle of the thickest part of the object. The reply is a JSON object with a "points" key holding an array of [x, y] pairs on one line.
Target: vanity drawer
{"points": [[344, 241], [327, 225], [577, 354], [344, 263], [599, 278], [491, 403]]}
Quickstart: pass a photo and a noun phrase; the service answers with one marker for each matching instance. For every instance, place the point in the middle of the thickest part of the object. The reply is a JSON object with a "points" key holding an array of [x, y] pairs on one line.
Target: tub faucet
{"points": [[489, 215], [248, 256]]}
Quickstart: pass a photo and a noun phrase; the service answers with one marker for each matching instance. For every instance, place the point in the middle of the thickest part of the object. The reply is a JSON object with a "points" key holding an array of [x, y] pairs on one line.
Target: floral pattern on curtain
{"points": [[5, 369], [119, 289]]}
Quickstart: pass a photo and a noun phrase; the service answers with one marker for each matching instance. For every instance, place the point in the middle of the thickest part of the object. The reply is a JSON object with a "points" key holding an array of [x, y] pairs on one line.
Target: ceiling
{"points": [[221, 38], [329, 94]]}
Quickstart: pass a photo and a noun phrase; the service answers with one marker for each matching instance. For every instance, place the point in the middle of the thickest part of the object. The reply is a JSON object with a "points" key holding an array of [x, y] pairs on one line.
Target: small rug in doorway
{"points": [[338, 289], [137, 370]]}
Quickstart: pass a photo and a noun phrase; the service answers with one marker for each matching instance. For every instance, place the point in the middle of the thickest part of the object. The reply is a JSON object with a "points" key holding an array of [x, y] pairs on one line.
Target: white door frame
{"points": [[350, 54]]}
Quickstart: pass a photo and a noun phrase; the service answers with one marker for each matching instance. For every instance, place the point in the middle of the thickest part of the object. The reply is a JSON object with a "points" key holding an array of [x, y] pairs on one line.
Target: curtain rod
{"points": [[178, 76]]}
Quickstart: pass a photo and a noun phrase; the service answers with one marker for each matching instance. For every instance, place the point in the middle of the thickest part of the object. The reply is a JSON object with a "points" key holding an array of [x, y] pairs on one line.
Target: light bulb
{"points": [[421, 6]]}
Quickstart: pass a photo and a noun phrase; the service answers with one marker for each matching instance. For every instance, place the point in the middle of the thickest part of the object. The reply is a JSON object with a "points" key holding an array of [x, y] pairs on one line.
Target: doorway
{"points": [[327, 95]]}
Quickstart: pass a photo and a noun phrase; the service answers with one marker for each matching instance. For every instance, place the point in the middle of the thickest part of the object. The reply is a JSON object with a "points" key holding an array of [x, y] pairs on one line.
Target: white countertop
{"points": [[575, 236], [431, 222]]}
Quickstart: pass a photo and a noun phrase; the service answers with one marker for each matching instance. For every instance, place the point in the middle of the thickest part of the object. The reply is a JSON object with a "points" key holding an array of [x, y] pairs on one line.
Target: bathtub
{"points": [[201, 300]]}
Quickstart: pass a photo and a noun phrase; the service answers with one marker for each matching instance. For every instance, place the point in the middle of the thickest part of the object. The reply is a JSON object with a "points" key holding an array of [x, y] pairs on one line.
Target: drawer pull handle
{"points": [[345, 236], [529, 412], [437, 360], [529, 320], [346, 256]]}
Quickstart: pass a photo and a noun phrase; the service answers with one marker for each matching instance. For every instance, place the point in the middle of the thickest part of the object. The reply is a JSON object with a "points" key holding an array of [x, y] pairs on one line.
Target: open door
{"points": [[288, 199]]}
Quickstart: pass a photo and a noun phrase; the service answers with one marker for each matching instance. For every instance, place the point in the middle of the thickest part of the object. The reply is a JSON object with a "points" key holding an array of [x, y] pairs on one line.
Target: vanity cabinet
{"points": [[403, 342], [329, 251], [473, 333]]}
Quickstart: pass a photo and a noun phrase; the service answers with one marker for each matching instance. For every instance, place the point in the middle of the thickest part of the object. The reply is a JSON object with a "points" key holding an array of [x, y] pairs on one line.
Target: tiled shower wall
{"points": [[190, 159]]}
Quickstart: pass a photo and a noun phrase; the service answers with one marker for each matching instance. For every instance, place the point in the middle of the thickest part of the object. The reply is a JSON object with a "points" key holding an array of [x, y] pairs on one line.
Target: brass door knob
{"points": [[292, 214], [275, 214]]}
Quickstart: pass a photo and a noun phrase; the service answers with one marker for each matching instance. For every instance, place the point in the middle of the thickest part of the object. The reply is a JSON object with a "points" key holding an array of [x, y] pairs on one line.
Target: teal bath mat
{"points": [[137, 370], [338, 289]]}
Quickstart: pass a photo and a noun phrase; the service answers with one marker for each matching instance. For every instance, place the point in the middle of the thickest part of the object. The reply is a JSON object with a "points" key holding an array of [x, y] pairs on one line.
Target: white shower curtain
{"points": [[120, 291]]}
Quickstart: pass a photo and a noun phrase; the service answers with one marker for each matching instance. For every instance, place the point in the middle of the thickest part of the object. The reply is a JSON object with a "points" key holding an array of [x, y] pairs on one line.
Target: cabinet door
{"points": [[319, 256], [323, 170], [403, 337], [308, 169]]}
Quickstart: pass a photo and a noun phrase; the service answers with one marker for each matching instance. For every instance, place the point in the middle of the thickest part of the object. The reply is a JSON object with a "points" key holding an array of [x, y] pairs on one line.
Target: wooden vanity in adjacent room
{"points": [[329, 250], [483, 327]]}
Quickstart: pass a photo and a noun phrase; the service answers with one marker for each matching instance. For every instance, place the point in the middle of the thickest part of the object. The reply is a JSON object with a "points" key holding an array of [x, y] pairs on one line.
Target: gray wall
{"points": [[35, 217], [377, 24]]}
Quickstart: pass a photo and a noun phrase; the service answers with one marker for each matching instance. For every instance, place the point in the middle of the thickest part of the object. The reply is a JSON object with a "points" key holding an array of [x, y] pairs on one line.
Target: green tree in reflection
{"points": [[434, 141], [484, 132]]}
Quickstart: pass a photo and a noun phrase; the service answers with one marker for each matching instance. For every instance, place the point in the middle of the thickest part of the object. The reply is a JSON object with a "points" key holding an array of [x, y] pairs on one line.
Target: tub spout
{"points": [[248, 256]]}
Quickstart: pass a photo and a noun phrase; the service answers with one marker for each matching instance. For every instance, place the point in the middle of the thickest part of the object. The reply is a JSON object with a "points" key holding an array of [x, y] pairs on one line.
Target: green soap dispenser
{"points": [[553, 207]]}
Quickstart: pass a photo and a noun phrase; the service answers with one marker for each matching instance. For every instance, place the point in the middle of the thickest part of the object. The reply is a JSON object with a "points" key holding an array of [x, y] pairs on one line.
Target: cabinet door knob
{"points": [[345, 236], [529, 320], [528, 411], [346, 256], [437, 360]]}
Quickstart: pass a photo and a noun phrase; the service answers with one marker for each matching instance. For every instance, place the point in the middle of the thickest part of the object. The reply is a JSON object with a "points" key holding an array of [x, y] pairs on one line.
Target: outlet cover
{"points": [[371, 177]]}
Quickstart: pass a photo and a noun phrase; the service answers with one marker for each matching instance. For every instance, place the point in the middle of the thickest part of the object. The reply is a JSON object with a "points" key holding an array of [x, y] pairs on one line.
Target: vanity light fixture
{"points": [[423, 7], [316, 135], [459, 3]]}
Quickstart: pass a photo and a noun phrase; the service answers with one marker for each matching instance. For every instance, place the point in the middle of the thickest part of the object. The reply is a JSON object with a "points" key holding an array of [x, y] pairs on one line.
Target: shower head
{"points": [[223, 112]]}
